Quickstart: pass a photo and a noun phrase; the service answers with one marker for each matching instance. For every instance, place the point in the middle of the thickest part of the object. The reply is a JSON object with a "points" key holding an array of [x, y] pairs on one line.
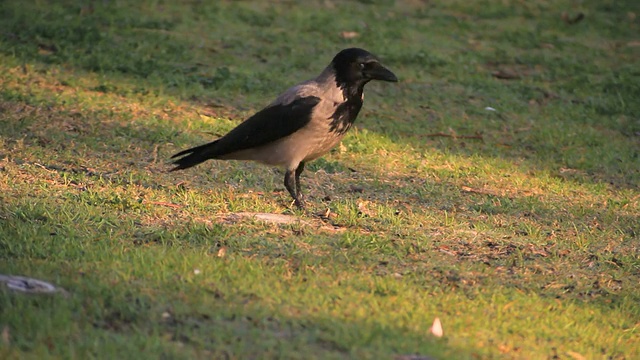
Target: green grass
{"points": [[519, 230]]}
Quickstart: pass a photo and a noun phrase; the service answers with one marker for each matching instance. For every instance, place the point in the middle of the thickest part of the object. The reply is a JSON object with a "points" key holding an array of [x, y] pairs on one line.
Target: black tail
{"points": [[194, 156]]}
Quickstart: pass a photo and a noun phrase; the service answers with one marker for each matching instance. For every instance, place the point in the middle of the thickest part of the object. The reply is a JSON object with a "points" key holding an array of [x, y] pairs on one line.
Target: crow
{"points": [[301, 124]]}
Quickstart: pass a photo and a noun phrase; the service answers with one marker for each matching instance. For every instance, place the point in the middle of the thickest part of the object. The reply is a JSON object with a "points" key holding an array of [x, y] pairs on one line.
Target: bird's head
{"points": [[356, 67]]}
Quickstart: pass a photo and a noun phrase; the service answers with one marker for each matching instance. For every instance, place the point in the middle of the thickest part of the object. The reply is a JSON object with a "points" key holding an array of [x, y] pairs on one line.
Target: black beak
{"points": [[379, 72]]}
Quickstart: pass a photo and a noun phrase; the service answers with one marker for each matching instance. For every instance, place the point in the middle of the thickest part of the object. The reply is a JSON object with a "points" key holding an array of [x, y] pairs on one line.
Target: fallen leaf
{"points": [[507, 306], [44, 49], [576, 355], [364, 209], [326, 214], [436, 328], [505, 74], [572, 20], [349, 34], [266, 217], [222, 251], [479, 191], [162, 203]]}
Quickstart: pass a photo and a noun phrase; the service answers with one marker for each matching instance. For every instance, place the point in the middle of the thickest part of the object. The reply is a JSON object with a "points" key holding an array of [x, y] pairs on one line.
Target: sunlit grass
{"points": [[517, 227]]}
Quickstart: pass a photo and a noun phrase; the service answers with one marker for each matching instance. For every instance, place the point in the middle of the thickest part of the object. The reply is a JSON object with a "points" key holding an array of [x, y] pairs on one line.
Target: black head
{"points": [[355, 67]]}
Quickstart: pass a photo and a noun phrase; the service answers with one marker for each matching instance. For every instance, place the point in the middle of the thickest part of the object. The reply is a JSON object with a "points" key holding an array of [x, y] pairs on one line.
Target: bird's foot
{"points": [[299, 203]]}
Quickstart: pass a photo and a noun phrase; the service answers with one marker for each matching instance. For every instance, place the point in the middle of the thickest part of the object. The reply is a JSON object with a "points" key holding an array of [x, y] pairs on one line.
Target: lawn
{"points": [[496, 187]]}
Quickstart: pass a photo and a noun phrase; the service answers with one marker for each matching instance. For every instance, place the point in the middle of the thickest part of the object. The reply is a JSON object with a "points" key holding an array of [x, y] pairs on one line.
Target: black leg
{"points": [[290, 184], [299, 171]]}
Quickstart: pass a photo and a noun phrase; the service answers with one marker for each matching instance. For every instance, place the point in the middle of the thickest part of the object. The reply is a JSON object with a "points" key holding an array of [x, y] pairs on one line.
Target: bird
{"points": [[303, 123]]}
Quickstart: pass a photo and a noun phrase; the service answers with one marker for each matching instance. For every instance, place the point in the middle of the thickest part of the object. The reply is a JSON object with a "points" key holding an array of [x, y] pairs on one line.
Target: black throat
{"points": [[347, 112]]}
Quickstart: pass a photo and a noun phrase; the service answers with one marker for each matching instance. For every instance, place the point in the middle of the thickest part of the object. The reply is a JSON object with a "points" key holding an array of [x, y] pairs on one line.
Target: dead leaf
{"points": [[576, 355], [564, 170], [326, 214], [44, 49], [349, 34], [572, 20], [436, 328], [364, 209], [505, 74], [455, 136], [535, 251], [222, 251], [162, 203], [507, 306], [266, 217], [479, 191]]}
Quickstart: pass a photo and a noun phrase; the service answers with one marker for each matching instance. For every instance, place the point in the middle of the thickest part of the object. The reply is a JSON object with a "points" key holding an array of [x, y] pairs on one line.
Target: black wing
{"points": [[266, 126]]}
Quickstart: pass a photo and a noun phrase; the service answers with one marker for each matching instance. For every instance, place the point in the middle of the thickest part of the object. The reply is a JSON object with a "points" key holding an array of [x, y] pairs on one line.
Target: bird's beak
{"points": [[379, 72]]}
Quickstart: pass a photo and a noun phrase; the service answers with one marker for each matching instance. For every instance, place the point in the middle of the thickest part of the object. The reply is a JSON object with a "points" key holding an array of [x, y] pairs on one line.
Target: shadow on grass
{"points": [[309, 299], [233, 307], [87, 145], [128, 296], [131, 45], [119, 161], [585, 126], [512, 232]]}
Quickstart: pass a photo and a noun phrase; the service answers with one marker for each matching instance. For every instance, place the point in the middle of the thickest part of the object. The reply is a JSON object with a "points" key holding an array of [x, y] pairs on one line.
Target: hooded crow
{"points": [[302, 124]]}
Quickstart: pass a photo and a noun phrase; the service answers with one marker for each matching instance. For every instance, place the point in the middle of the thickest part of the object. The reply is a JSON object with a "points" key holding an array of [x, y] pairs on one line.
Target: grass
{"points": [[517, 227]]}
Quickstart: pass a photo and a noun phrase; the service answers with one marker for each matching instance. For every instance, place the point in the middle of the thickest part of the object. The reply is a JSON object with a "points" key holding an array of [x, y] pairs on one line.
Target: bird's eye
{"points": [[362, 65]]}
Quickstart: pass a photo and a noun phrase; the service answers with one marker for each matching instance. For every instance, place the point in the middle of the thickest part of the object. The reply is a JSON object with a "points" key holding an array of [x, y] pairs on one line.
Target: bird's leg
{"points": [[299, 171], [290, 184]]}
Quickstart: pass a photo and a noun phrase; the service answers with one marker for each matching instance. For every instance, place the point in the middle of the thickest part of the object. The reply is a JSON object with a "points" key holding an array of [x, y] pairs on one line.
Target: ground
{"points": [[495, 187]]}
